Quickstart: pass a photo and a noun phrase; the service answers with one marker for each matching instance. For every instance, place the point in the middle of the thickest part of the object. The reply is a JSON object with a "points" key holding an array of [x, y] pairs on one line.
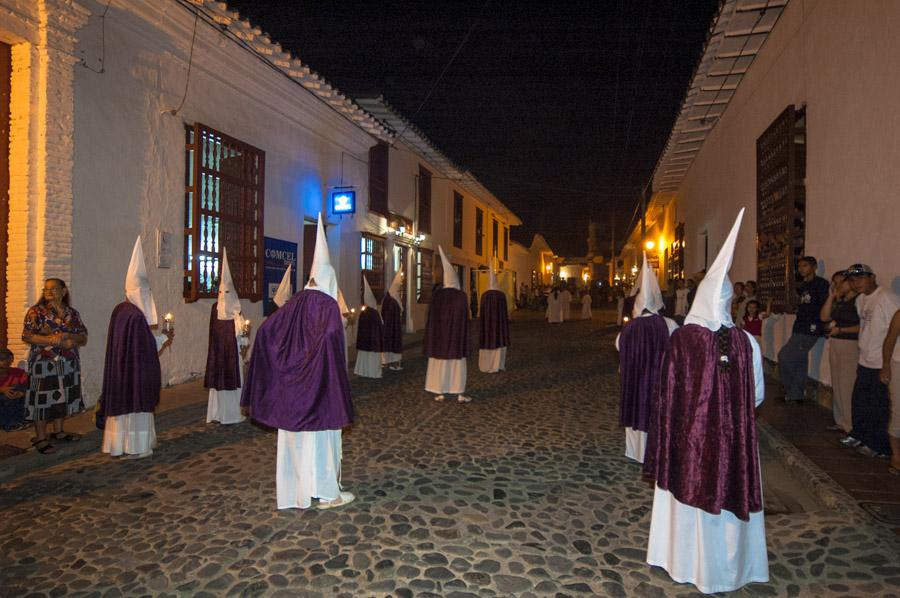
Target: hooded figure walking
{"points": [[392, 316], [297, 382], [446, 342], [494, 337], [641, 346], [228, 336], [131, 374], [707, 525], [369, 337]]}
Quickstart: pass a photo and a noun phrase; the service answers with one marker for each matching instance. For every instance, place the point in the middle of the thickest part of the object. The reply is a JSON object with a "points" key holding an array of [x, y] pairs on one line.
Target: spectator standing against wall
{"points": [[13, 384], [871, 406], [890, 375], [55, 331], [793, 359], [839, 311]]}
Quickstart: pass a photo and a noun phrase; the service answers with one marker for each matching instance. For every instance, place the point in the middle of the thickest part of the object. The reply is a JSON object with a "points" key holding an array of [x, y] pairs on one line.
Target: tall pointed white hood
{"points": [[493, 285], [322, 276], [712, 303], [394, 289], [229, 304], [451, 281], [649, 296], [283, 293], [637, 282], [137, 285], [368, 295]]}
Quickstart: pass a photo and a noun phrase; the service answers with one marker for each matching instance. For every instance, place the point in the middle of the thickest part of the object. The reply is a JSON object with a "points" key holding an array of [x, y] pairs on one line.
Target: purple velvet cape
{"points": [[702, 441], [641, 346], [131, 374], [494, 320], [392, 315], [222, 360], [370, 331], [297, 379], [447, 326]]}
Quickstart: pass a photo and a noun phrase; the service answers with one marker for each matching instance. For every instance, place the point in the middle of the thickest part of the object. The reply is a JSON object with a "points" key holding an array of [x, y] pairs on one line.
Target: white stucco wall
{"points": [[834, 57], [129, 161]]}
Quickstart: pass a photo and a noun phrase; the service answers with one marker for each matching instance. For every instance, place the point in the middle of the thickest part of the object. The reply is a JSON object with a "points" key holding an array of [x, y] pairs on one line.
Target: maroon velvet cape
{"points": [[370, 331], [392, 315], [131, 374], [222, 359], [297, 379], [494, 320], [701, 446], [447, 326], [641, 346]]}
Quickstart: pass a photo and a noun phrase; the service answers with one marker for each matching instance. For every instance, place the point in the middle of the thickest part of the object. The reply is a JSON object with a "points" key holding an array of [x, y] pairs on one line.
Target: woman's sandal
{"points": [[66, 436], [43, 446]]}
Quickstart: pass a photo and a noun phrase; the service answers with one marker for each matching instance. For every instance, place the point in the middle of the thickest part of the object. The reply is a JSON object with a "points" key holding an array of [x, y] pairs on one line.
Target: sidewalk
{"points": [[802, 428]]}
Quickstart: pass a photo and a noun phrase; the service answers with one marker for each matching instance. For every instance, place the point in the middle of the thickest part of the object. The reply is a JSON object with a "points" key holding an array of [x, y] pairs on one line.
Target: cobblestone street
{"points": [[524, 491]]}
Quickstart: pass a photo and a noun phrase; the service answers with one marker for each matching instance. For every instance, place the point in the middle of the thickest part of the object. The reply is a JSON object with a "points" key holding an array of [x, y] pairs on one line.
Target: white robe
{"points": [[368, 364], [307, 466], [492, 360], [388, 357], [445, 376], [586, 302], [554, 309], [131, 433], [716, 553], [565, 298], [224, 406], [636, 440]]}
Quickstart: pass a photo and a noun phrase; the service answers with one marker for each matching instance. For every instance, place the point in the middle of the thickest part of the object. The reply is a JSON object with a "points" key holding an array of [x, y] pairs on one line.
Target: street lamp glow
{"points": [[549, 267], [649, 245]]}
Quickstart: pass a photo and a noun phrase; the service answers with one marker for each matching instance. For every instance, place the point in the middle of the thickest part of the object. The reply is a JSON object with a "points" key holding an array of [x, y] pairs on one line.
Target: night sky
{"points": [[560, 109]]}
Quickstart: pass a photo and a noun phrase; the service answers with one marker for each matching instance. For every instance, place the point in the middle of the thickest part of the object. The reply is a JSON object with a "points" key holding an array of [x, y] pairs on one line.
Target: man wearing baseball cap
{"points": [[871, 407]]}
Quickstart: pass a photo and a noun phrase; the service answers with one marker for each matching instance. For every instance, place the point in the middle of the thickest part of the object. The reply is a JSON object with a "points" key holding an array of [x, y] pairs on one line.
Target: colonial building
{"points": [[429, 201], [789, 115]]}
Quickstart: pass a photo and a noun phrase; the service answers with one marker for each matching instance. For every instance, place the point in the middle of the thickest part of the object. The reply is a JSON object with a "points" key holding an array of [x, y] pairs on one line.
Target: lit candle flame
{"points": [[169, 317]]}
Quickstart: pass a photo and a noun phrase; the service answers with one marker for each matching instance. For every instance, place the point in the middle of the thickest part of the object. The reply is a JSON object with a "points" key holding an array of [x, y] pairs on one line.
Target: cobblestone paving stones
{"points": [[525, 491]]}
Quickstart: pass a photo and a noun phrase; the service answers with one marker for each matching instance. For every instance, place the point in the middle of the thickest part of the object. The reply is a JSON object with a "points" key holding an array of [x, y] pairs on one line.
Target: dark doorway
{"points": [[309, 250]]}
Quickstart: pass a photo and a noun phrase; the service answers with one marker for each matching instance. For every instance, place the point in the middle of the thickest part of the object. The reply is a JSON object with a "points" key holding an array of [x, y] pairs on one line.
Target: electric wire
{"points": [[83, 62]]}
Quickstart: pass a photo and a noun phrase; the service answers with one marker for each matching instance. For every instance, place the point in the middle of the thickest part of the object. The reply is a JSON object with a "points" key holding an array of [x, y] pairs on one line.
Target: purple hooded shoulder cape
{"points": [[447, 327], [370, 331], [392, 315], [641, 346], [297, 379], [131, 374], [494, 320], [702, 441], [222, 360]]}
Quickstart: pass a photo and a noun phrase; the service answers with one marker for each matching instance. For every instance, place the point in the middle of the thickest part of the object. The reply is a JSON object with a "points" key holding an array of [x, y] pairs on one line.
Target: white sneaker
{"points": [[344, 499], [139, 455], [464, 399], [439, 398]]}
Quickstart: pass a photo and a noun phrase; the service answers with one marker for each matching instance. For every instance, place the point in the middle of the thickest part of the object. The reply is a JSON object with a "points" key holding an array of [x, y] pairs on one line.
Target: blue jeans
{"points": [[793, 365]]}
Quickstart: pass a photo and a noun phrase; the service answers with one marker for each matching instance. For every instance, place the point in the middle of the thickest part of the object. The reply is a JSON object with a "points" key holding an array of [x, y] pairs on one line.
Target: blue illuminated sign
{"points": [[343, 202]]}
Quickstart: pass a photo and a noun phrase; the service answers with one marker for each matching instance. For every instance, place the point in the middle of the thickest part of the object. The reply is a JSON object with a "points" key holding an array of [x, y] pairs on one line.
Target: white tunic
{"points": [[586, 302], [368, 364], [307, 466], [565, 298], [445, 376], [554, 309], [716, 553], [131, 433], [388, 357], [224, 406], [492, 360]]}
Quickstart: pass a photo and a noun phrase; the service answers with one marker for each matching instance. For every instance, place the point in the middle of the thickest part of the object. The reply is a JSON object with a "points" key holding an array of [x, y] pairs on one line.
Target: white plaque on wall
{"points": [[163, 249]]}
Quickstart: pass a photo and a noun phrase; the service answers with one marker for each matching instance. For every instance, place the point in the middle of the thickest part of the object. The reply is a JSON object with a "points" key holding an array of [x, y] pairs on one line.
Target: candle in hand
{"points": [[168, 322]]}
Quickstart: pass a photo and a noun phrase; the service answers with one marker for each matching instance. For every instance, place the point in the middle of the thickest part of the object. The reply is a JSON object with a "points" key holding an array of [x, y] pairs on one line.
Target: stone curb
{"points": [[826, 490]]}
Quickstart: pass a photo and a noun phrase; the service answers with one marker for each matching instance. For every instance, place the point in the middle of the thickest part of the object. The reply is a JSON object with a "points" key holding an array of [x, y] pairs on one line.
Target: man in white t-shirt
{"points": [[871, 406], [890, 375]]}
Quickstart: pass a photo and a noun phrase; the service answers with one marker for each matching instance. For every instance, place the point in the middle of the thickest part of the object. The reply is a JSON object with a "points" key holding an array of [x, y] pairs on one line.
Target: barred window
{"points": [[505, 243], [479, 231], [457, 220], [223, 208], [371, 264], [494, 239], [424, 275], [424, 200]]}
